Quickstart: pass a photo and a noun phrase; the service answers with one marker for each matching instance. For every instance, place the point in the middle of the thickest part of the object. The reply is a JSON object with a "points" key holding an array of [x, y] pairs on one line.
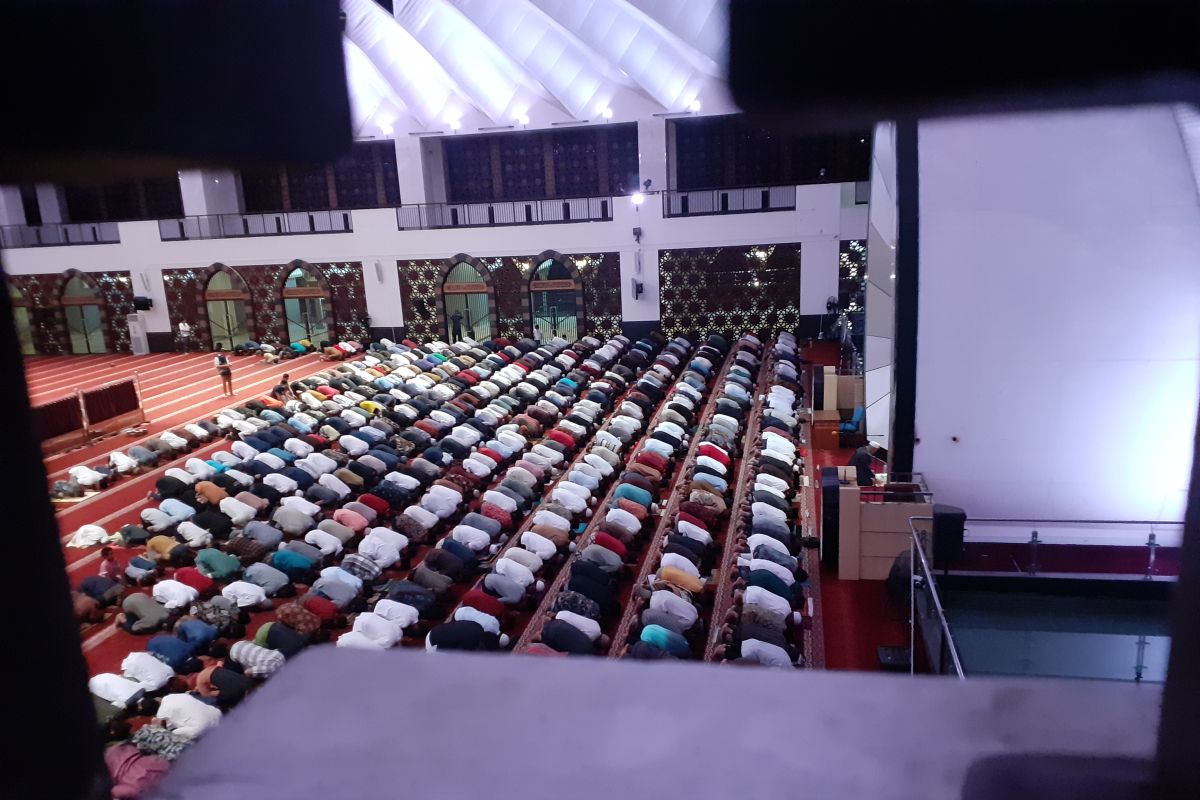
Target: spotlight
{"points": [[455, 124], [606, 112], [523, 119], [638, 198], [694, 106], [892, 276]]}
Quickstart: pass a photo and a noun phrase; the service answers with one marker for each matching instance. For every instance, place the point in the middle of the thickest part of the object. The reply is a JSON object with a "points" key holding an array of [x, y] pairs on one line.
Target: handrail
{"points": [[59, 234], [915, 547], [425, 216], [736, 200], [233, 226]]}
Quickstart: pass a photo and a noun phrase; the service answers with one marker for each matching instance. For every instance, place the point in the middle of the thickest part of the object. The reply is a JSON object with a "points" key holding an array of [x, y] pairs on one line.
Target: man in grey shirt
{"points": [[340, 593], [141, 613], [292, 521], [274, 582], [504, 588]]}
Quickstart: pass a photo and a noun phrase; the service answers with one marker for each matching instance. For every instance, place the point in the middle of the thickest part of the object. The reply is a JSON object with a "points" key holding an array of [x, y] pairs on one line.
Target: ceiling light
{"points": [[386, 127], [581, 263], [638, 198], [892, 276], [523, 119], [760, 255], [694, 106], [606, 112]]}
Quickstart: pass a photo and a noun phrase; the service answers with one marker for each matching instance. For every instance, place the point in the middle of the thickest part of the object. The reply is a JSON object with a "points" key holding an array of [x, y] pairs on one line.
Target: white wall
{"points": [[1059, 315], [880, 295], [816, 222]]}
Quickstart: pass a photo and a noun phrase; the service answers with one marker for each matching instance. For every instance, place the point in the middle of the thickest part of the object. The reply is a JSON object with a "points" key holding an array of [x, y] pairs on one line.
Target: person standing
{"points": [[456, 325], [185, 336], [224, 370], [863, 462]]}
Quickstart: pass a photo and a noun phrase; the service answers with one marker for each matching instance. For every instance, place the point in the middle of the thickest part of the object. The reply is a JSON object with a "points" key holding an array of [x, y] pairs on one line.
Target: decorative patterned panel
{"points": [[468, 169], [420, 286], [117, 290], [523, 166], [510, 278], [261, 189], [623, 162], [308, 188], [575, 166], [725, 151], [731, 289], [348, 299], [601, 274], [343, 280], [47, 322]]}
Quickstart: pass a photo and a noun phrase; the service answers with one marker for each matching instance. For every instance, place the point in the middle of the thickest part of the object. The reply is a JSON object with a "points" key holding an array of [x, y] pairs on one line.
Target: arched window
{"points": [[81, 304], [552, 295], [306, 305], [21, 320], [466, 300], [228, 301]]}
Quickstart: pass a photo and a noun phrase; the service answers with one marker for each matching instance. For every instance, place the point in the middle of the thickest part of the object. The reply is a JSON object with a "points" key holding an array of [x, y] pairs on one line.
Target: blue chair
{"points": [[855, 421]]}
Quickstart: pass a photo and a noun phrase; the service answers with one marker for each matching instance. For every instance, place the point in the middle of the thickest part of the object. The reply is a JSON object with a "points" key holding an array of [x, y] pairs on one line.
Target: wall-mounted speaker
{"points": [[143, 303], [638, 287], [379, 270]]}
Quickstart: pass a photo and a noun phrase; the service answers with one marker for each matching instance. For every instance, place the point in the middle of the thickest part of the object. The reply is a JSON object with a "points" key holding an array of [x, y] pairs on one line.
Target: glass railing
{"points": [[1048, 598], [57, 234], [701, 202], [1068, 548], [503, 212], [927, 621], [230, 226]]}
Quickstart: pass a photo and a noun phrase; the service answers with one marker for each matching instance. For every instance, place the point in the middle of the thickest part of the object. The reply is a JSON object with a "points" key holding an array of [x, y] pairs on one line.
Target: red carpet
{"points": [[176, 389], [857, 618]]}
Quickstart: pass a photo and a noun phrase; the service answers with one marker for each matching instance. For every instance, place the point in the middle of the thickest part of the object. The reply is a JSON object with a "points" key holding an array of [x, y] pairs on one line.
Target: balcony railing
{"points": [[702, 202], [506, 212], [229, 226], [56, 234]]}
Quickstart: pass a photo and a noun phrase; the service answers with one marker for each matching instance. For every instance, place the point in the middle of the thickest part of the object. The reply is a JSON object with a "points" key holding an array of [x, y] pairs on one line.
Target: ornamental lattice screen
{"points": [[599, 275], [730, 289], [48, 326], [268, 324]]}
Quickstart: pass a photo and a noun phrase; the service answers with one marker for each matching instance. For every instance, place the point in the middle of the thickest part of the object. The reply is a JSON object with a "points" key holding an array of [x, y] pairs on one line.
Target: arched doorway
{"points": [[82, 309], [228, 301], [554, 299], [306, 305], [21, 320], [466, 301]]}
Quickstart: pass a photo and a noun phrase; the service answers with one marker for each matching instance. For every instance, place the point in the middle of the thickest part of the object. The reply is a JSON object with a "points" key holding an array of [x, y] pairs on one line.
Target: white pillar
{"points": [[433, 171], [409, 170], [12, 212], [652, 151], [52, 203], [210, 192], [818, 273]]}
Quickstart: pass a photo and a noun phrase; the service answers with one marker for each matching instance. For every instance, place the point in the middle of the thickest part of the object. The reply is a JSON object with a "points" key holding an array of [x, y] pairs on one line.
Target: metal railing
{"points": [[1070, 548], [506, 212], [230, 226], [701, 202], [57, 234], [925, 610]]}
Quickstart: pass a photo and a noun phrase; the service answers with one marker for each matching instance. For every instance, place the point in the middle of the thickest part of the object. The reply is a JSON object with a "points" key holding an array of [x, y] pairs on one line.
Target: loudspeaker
{"points": [[141, 303], [949, 524]]}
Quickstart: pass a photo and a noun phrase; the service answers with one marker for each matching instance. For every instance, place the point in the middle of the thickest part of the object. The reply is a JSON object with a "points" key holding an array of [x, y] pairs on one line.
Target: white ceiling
{"points": [[476, 64]]}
